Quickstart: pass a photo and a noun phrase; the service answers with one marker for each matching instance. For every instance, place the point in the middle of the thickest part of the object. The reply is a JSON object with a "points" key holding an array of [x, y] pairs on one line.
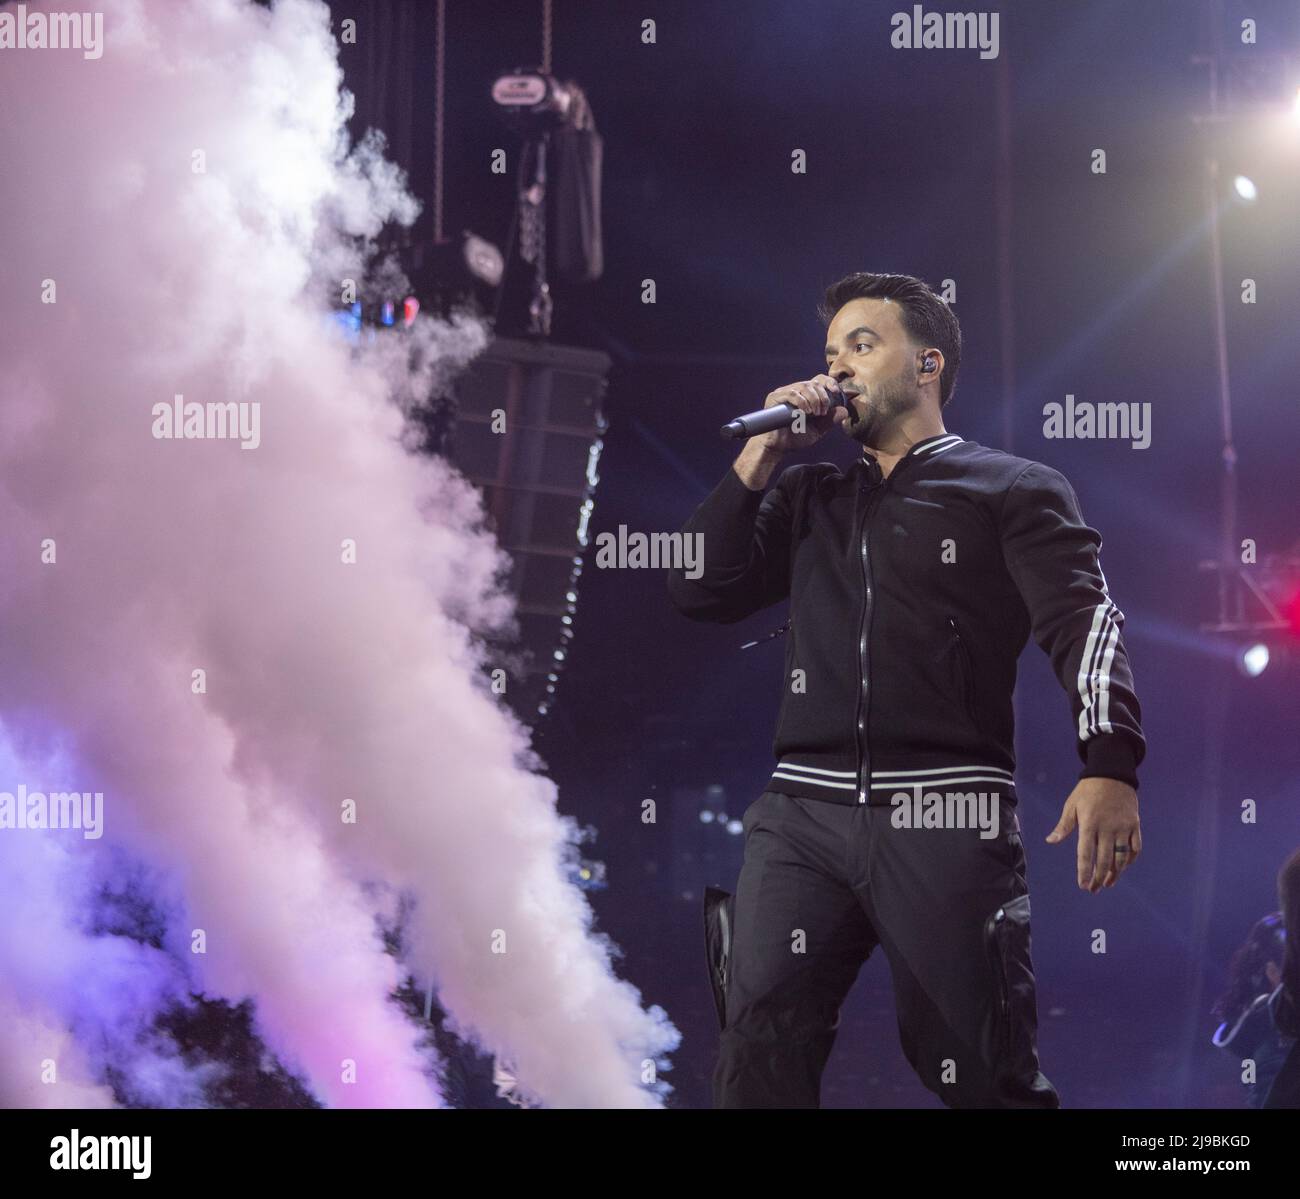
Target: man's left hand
{"points": [[1105, 811]]}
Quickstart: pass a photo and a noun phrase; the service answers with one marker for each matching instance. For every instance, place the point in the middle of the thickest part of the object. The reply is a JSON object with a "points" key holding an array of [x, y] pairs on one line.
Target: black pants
{"points": [[821, 886]]}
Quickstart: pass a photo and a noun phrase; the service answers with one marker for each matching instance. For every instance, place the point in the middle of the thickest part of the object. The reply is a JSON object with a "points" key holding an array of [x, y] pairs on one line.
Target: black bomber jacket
{"points": [[911, 598]]}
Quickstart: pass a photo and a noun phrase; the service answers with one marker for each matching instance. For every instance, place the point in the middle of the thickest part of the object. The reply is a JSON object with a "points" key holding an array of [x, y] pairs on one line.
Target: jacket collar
{"points": [[930, 445], [926, 447]]}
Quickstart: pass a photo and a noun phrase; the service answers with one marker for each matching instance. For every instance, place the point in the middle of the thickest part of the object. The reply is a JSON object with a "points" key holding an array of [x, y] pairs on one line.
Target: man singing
{"points": [[914, 578]]}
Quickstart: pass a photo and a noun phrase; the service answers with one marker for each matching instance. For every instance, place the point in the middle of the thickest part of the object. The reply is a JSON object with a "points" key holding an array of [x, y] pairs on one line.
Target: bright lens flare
{"points": [[1254, 660]]}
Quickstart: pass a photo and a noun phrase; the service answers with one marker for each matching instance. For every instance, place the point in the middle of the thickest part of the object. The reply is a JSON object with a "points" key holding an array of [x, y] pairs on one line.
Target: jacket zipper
{"points": [[993, 944], [967, 671], [724, 933], [864, 764], [864, 656]]}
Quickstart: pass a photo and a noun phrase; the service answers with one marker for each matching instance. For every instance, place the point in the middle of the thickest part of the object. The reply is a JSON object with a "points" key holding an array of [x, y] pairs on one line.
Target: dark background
{"points": [[1109, 299]]}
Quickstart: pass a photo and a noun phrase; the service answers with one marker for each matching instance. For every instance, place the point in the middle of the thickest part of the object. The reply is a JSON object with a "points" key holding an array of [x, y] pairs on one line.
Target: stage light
{"points": [[1253, 659], [735, 828], [1245, 189], [463, 270], [1291, 612], [706, 816], [482, 259], [584, 515], [349, 320]]}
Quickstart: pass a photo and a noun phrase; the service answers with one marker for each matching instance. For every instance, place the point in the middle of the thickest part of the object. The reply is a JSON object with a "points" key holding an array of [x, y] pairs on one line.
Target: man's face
{"points": [[870, 353]]}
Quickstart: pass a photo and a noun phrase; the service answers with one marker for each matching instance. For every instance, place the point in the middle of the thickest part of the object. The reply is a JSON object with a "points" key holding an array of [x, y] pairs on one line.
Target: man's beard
{"points": [[886, 405]]}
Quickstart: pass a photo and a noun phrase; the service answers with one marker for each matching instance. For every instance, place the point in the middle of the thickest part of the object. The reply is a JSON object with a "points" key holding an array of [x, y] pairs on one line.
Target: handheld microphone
{"points": [[778, 416]]}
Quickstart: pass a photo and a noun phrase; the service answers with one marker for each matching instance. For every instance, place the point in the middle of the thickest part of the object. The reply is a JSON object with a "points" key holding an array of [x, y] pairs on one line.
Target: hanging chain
{"points": [[532, 229], [438, 117], [533, 242], [532, 208]]}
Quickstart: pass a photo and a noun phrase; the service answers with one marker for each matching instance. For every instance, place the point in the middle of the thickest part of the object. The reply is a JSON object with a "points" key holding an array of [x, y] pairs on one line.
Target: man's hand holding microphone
{"points": [[818, 399]]}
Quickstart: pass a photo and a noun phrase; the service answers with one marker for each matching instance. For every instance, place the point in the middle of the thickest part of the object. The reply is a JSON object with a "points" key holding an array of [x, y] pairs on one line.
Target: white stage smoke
{"points": [[259, 648]]}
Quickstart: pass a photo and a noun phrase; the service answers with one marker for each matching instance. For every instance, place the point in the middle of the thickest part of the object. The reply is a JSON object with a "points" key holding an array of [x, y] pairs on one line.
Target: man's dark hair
{"points": [[928, 319]]}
